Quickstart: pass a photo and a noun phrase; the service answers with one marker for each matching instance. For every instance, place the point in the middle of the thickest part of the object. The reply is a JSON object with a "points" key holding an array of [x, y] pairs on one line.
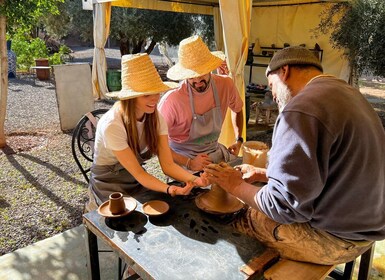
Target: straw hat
{"points": [[139, 77], [195, 59]]}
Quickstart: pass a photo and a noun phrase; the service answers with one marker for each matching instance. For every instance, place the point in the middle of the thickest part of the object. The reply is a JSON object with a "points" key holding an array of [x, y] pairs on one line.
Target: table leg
{"points": [[92, 255]]}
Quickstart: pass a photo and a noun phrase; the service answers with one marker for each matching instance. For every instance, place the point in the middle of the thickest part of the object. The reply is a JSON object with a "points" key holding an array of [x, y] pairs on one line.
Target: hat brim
{"points": [[179, 72], [129, 94]]}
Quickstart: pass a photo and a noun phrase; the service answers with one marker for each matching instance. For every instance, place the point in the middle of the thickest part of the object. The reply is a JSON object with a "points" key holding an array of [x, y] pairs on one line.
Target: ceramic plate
{"points": [[104, 209], [155, 207]]}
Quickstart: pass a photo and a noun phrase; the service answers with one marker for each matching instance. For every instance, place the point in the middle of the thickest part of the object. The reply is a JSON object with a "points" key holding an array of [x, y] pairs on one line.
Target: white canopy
{"points": [[236, 23]]}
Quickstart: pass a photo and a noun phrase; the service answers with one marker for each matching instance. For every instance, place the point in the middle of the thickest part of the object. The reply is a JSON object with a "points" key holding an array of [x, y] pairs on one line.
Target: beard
{"points": [[283, 95], [200, 88]]}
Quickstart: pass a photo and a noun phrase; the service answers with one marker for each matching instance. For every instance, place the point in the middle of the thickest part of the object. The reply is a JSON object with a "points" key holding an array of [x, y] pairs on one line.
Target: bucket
{"points": [[255, 153], [114, 80]]}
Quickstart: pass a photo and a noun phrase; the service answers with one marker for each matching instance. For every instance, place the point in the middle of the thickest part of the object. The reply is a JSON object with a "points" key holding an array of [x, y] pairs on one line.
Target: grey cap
{"points": [[293, 56]]}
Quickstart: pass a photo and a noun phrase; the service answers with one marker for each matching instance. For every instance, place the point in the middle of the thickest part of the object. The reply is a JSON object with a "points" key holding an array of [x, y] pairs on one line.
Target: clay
{"points": [[218, 201]]}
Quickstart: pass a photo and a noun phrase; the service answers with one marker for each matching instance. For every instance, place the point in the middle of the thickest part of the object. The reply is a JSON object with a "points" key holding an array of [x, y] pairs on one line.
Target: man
{"points": [[324, 197], [195, 111]]}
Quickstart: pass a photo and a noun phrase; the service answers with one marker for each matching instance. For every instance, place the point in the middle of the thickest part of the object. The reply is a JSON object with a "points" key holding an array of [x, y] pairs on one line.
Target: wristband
{"points": [[193, 179]]}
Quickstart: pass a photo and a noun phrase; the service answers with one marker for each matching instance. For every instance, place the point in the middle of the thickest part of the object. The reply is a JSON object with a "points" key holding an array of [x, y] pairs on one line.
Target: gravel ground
{"points": [[42, 191]]}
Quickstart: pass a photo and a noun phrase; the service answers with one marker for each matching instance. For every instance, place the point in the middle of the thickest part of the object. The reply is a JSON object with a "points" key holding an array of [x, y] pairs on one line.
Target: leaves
{"points": [[360, 31], [25, 14]]}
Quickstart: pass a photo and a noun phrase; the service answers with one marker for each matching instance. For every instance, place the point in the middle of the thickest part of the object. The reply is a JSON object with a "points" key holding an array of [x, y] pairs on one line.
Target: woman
{"points": [[130, 133]]}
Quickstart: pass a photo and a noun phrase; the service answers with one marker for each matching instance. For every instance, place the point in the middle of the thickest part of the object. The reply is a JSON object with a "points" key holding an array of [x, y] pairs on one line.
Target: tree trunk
{"points": [[3, 76], [151, 47]]}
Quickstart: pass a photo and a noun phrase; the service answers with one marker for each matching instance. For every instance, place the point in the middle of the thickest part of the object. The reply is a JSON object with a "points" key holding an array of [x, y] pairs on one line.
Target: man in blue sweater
{"points": [[324, 197]]}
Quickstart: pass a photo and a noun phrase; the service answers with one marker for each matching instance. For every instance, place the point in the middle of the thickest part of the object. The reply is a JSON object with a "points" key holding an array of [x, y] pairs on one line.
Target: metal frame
{"points": [[83, 139]]}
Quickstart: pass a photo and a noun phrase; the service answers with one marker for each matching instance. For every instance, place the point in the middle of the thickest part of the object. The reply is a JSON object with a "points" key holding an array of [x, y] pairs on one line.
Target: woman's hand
{"points": [[175, 190], [224, 175], [199, 162], [201, 182]]}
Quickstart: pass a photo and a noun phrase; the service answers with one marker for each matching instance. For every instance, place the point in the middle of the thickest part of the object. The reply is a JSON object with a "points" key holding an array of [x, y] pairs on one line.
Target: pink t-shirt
{"points": [[175, 105]]}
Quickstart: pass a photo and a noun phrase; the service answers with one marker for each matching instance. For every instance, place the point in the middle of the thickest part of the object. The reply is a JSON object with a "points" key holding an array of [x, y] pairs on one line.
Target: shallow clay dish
{"points": [[104, 209], [155, 207]]}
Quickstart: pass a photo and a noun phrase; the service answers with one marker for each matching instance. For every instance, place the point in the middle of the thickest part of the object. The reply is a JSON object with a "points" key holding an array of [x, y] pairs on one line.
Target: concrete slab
{"points": [[62, 256]]}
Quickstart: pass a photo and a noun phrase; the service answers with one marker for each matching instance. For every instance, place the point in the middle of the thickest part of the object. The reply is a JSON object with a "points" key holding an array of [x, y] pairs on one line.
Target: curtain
{"points": [[218, 30], [102, 15], [236, 17]]}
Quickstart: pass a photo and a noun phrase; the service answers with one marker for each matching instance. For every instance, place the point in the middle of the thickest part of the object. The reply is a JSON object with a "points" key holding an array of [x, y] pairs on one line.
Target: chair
{"points": [[83, 139], [266, 107], [364, 269]]}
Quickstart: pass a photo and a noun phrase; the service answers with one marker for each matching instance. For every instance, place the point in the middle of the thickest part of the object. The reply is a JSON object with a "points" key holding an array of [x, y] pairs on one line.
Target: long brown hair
{"points": [[150, 130]]}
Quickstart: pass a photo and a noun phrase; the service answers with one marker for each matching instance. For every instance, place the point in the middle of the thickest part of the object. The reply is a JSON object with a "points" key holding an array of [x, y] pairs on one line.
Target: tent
{"points": [[237, 23]]}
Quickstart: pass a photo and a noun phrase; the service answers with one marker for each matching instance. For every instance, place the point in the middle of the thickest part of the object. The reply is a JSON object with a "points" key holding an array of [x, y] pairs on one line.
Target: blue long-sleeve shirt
{"points": [[327, 163]]}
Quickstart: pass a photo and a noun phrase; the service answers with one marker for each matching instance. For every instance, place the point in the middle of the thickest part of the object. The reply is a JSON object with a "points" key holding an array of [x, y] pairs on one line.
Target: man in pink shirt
{"points": [[195, 111]]}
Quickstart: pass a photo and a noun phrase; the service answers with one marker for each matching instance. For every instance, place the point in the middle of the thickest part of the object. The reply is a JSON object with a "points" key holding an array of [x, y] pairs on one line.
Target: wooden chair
{"points": [[83, 139]]}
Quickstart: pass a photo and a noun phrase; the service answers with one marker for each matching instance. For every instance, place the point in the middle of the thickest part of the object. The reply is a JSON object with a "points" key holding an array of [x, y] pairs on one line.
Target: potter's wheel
{"points": [[218, 201]]}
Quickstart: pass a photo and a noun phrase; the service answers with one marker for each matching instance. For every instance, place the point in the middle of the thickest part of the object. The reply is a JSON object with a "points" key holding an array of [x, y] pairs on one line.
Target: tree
{"points": [[133, 27], [360, 31], [17, 16]]}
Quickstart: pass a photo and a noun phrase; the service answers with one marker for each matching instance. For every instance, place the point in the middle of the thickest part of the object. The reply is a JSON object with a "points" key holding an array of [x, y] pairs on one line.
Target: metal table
{"points": [[184, 243]]}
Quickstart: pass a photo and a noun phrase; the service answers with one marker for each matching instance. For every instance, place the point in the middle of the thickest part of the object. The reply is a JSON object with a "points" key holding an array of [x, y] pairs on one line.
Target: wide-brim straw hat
{"points": [[195, 60], [139, 77]]}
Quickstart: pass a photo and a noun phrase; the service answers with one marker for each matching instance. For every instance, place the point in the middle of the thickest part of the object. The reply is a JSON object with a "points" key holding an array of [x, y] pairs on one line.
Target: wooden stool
{"points": [[266, 110], [364, 269], [292, 270]]}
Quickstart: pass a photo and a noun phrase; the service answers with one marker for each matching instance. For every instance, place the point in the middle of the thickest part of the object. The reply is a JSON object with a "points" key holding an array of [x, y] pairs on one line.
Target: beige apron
{"points": [[204, 133], [106, 179]]}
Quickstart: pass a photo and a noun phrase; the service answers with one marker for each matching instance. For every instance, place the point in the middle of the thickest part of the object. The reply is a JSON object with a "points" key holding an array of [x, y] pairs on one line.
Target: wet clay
{"points": [[218, 201]]}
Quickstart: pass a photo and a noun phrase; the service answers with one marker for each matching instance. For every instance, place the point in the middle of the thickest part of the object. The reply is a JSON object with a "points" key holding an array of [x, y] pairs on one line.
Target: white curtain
{"points": [[236, 17], [102, 15]]}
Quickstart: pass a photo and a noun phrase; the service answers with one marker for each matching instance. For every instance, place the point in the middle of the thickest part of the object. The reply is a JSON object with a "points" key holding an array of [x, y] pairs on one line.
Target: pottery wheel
{"points": [[218, 201]]}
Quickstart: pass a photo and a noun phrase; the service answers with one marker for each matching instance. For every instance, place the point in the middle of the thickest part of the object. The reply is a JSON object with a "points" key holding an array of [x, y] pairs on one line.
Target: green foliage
{"points": [[71, 19], [59, 57], [133, 27], [360, 31], [28, 49], [23, 15]]}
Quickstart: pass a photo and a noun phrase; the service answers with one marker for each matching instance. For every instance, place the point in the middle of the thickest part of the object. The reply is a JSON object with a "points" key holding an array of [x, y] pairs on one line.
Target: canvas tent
{"points": [[237, 23]]}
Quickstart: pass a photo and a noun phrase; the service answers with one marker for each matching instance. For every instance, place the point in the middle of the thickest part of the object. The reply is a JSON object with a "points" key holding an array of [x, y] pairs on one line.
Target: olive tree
{"points": [[358, 28], [17, 16]]}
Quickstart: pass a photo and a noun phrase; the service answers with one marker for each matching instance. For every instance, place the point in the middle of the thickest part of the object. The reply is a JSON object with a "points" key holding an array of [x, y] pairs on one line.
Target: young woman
{"points": [[130, 133]]}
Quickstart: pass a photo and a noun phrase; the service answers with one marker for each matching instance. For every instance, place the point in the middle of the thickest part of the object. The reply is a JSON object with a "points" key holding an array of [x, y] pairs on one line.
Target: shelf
{"points": [[267, 53], [258, 64]]}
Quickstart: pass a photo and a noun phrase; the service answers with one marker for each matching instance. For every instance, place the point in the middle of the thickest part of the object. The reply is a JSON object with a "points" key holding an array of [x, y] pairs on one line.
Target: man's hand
{"points": [[199, 162], [235, 148], [224, 175], [251, 173]]}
